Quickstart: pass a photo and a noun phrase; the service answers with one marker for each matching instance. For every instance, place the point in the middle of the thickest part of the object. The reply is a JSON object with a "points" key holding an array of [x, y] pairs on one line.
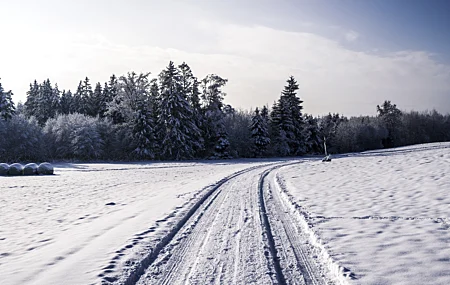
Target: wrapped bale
{"points": [[4, 168], [15, 169], [30, 169], [45, 168]]}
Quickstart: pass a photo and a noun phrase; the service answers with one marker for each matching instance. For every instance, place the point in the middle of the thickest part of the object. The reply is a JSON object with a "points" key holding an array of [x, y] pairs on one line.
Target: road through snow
{"points": [[241, 234]]}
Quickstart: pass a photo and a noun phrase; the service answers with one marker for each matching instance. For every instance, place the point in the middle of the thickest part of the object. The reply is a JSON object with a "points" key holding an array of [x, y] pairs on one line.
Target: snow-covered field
{"points": [[66, 228], [383, 215]]}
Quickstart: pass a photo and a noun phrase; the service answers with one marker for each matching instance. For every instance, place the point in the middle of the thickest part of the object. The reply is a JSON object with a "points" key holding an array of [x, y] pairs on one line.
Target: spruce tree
{"points": [[259, 133], [280, 123], [66, 103], [94, 101], [112, 100], [47, 102], [82, 97], [31, 102], [312, 135], [294, 109], [7, 108], [213, 128], [176, 120]]}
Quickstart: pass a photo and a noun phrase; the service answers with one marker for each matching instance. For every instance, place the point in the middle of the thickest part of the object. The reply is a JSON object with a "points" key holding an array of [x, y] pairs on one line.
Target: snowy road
{"points": [[242, 234]]}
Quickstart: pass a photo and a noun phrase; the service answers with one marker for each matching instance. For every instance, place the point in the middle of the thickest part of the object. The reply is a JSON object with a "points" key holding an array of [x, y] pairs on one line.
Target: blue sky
{"points": [[347, 55]]}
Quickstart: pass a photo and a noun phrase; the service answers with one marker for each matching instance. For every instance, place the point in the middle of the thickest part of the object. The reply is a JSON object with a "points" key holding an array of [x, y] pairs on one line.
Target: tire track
{"points": [[184, 232]]}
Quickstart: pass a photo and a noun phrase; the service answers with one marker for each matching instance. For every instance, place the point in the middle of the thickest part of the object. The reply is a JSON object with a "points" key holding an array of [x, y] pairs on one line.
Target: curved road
{"points": [[243, 233]]}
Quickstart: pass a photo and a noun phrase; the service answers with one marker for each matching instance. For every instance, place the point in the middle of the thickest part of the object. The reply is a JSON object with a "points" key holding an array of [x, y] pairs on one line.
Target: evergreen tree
{"points": [[176, 121], [112, 100], [47, 102], [281, 128], [259, 133], [82, 96], [143, 133], [294, 110], [391, 116], [312, 135], [66, 103], [7, 108], [213, 128], [94, 101], [31, 102]]}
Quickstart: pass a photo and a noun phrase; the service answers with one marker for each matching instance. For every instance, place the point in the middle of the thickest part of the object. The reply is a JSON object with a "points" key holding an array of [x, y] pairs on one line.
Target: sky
{"points": [[347, 55]]}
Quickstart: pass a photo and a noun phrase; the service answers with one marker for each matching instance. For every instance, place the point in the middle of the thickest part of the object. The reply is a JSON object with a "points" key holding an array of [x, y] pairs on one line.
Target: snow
{"points": [[385, 215], [68, 226], [378, 217]]}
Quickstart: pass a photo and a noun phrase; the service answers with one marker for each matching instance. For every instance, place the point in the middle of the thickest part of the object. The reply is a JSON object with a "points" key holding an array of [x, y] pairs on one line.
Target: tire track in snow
{"points": [[297, 265], [137, 271]]}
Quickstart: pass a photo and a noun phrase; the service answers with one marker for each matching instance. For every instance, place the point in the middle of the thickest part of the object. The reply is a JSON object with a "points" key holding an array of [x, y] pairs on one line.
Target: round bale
{"points": [[45, 168], [30, 169], [4, 168], [15, 169]]}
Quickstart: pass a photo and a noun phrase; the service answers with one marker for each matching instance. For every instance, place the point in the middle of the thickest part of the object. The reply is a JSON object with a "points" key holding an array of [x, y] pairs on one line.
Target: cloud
{"points": [[257, 60], [351, 36]]}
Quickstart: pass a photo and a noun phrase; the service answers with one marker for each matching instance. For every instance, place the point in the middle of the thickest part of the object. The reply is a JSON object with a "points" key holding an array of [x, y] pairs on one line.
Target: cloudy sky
{"points": [[347, 55]]}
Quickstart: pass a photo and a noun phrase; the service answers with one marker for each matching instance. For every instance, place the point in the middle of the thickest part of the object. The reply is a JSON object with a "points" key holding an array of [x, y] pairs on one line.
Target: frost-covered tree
{"points": [[282, 128], [144, 133], [179, 132], [112, 99], [7, 108], [259, 133]]}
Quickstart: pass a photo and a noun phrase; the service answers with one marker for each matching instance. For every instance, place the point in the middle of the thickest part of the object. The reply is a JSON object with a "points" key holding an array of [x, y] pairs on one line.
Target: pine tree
{"points": [[94, 101], [280, 123], [66, 103], [312, 135], [143, 133], [390, 115], [297, 142], [112, 100], [81, 97], [31, 102], [260, 133], [213, 127], [176, 121], [47, 102], [7, 108]]}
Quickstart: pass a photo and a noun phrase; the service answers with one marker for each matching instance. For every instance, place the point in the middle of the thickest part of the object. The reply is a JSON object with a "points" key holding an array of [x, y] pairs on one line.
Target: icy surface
{"points": [[385, 215], [66, 228]]}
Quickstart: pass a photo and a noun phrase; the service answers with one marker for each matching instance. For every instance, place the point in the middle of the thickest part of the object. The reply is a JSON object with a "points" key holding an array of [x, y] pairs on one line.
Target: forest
{"points": [[176, 116]]}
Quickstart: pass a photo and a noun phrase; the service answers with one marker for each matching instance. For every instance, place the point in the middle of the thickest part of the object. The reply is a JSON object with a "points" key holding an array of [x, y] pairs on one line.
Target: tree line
{"points": [[176, 116]]}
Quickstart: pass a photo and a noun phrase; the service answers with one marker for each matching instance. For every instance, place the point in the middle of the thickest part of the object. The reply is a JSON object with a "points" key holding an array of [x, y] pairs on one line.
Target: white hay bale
{"points": [[4, 168], [45, 168], [15, 169], [30, 169]]}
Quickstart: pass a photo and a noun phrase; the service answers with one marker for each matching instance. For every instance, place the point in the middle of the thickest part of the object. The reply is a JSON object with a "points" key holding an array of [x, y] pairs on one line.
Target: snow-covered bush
{"points": [[30, 169], [76, 136], [45, 168], [4, 168], [21, 139], [15, 169]]}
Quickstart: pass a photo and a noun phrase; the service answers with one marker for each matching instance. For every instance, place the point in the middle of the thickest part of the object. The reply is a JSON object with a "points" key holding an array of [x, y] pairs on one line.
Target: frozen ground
{"points": [[378, 217], [385, 215]]}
